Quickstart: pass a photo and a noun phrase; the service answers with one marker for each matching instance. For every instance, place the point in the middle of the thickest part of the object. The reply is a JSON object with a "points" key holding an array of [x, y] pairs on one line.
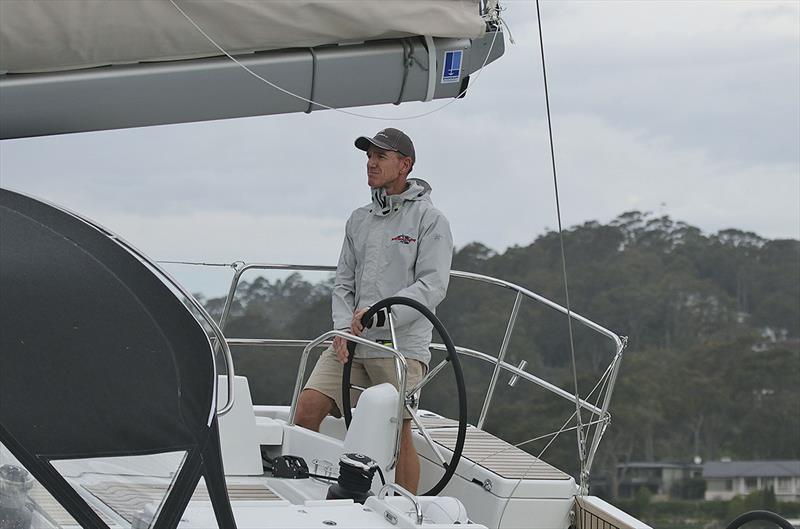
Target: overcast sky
{"points": [[683, 108]]}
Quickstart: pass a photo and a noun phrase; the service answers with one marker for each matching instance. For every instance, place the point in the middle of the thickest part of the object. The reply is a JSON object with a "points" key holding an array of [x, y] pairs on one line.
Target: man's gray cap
{"points": [[391, 140]]}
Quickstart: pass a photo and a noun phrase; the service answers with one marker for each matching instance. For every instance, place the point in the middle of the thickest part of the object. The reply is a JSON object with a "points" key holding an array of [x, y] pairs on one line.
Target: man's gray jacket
{"points": [[398, 245]]}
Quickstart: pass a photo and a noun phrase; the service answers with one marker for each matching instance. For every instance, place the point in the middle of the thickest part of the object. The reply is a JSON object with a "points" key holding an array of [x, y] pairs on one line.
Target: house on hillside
{"points": [[726, 479], [660, 478]]}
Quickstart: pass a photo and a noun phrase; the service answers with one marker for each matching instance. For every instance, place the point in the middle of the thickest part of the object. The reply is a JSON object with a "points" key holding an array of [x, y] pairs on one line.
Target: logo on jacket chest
{"points": [[404, 239]]}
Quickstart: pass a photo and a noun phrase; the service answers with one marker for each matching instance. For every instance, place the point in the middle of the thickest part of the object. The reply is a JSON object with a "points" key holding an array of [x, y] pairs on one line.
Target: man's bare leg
{"points": [[407, 474], [312, 407]]}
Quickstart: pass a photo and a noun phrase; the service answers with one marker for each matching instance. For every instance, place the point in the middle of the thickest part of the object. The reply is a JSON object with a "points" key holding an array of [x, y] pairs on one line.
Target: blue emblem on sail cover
{"points": [[452, 66]]}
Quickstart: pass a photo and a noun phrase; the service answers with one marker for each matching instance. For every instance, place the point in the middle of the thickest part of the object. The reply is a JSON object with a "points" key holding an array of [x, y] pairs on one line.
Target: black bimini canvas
{"points": [[99, 358]]}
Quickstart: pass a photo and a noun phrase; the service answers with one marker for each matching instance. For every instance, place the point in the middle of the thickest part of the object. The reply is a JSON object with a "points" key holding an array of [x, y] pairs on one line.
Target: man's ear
{"points": [[407, 164]]}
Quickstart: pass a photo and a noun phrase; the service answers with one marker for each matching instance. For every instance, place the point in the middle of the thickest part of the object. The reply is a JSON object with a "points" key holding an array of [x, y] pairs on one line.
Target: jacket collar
{"points": [[383, 204]]}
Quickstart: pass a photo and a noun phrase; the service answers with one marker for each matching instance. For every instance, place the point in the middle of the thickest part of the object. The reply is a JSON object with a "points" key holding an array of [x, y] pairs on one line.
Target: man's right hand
{"points": [[356, 327], [340, 348]]}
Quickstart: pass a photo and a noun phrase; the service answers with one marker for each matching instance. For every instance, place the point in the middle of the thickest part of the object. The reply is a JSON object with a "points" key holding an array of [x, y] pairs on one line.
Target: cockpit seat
{"points": [[242, 433], [373, 429]]}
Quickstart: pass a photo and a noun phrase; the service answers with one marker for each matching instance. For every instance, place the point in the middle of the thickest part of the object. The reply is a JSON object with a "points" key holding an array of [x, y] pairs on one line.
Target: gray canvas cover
{"points": [[53, 35]]}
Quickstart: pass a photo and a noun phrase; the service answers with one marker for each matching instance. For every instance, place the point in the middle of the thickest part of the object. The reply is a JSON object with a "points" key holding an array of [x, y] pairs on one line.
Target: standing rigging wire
{"points": [[579, 428], [580, 432]]}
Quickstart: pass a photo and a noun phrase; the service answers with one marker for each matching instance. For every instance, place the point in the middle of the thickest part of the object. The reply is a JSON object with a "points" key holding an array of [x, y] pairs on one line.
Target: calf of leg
{"points": [[312, 407], [407, 474]]}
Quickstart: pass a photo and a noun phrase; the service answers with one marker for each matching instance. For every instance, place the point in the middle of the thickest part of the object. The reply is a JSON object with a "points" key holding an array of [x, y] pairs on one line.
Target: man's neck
{"points": [[397, 188]]}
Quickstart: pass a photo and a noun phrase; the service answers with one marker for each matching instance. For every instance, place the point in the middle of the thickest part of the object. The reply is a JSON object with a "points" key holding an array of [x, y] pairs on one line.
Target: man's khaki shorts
{"points": [[327, 376]]}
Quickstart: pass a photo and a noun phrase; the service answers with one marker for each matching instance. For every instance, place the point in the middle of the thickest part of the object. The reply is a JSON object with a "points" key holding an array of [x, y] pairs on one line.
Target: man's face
{"points": [[384, 168]]}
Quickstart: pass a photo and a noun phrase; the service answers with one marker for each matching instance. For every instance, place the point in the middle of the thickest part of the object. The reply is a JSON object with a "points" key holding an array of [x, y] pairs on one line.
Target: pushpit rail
{"points": [[600, 409]]}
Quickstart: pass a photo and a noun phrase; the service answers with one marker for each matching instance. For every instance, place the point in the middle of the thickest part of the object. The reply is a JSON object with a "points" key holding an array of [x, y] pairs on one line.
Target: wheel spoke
{"points": [[432, 373], [426, 435]]}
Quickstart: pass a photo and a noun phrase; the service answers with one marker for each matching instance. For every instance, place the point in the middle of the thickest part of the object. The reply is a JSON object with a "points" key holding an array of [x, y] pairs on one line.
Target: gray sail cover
{"points": [[53, 35]]}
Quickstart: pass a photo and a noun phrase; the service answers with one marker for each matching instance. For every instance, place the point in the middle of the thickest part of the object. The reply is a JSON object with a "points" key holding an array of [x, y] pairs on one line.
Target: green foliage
{"points": [[679, 509], [641, 501], [681, 514], [691, 514], [688, 489], [756, 500], [713, 323]]}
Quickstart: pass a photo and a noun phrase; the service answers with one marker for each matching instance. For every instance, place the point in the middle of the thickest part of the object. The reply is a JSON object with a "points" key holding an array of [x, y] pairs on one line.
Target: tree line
{"points": [[713, 323]]}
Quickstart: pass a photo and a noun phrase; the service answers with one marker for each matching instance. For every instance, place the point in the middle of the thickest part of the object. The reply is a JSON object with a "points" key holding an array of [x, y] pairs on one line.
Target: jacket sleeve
{"points": [[344, 286], [432, 270]]}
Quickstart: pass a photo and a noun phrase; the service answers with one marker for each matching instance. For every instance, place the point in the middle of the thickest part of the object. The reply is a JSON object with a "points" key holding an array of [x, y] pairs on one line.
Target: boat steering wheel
{"points": [[765, 516], [452, 358]]}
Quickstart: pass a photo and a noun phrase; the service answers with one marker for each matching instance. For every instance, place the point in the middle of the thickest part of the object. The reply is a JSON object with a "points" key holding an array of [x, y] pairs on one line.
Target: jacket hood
{"points": [[383, 204]]}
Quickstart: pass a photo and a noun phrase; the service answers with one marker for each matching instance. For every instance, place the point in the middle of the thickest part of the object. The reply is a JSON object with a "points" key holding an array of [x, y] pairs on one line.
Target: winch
{"points": [[15, 507], [356, 472]]}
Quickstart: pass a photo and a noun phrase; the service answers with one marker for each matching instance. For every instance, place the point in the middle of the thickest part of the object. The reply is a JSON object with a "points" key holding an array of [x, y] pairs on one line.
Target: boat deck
{"points": [[128, 499], [58, 514], [490, 452]]}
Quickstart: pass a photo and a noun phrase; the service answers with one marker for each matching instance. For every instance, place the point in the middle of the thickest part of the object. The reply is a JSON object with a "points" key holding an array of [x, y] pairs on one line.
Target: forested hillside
{"points": [[713, 322]]}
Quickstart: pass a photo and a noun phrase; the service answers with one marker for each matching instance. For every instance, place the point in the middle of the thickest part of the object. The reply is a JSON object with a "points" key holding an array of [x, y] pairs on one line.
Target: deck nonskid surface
{"points": [[490, 452], [126, 499]]}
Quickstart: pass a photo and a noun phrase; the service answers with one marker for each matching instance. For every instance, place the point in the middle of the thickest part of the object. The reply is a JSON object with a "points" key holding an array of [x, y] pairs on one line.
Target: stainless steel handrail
{"points": [[619, 342], [402, 369], [271, 342], [240, 268], [612, 380], [521, 373], [514, 370], [500, 356], [404, 493], [541, 299]]}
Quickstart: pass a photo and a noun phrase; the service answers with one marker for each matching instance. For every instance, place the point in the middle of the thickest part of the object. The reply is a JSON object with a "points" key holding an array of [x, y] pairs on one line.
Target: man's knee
{"points": [[312, 407]]}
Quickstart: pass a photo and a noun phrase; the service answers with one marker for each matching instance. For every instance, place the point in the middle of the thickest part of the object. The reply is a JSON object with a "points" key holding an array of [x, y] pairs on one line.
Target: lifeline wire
{"points": [[311, 101], [580, 436]]}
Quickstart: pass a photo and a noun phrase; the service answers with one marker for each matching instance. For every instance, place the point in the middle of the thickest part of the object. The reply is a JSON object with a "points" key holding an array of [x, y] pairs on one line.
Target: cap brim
{"points": [[363, 143]]}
